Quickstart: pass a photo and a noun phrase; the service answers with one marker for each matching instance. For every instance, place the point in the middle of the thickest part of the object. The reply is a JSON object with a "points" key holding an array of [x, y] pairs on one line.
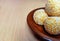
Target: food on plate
{"points": [[39, 16], [52, 7], [52, 25]]}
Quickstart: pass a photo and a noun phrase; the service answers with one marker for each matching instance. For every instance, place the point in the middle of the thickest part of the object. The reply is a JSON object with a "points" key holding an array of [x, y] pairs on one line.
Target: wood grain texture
{"points": [[13, 25], [9, 20]]}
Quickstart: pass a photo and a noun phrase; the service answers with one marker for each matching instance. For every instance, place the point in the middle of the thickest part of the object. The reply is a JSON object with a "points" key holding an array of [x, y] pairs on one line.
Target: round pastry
{"points": [[53, 7], [40, 16], [52, 25]]}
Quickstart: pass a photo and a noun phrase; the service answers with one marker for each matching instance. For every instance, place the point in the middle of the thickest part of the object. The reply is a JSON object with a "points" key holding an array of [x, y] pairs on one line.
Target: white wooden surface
{"points": [[13, 25]]}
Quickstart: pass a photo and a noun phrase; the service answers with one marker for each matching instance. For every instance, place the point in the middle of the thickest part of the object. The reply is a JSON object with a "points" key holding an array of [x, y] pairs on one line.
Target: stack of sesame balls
{"points": [[49, 17]]}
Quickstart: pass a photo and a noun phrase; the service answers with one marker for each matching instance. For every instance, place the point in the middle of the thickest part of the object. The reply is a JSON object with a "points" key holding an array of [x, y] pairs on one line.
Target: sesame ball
{"points": [[52, 25], [39, 16], [52, 7]]}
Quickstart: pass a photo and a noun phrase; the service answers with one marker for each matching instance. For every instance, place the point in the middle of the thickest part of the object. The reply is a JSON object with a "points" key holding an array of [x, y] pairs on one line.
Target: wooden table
{"points": [[13, 25]]}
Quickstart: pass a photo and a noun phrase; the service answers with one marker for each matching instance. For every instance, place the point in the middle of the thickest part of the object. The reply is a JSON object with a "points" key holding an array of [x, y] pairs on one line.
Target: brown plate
{"points": [[38, 29]]}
